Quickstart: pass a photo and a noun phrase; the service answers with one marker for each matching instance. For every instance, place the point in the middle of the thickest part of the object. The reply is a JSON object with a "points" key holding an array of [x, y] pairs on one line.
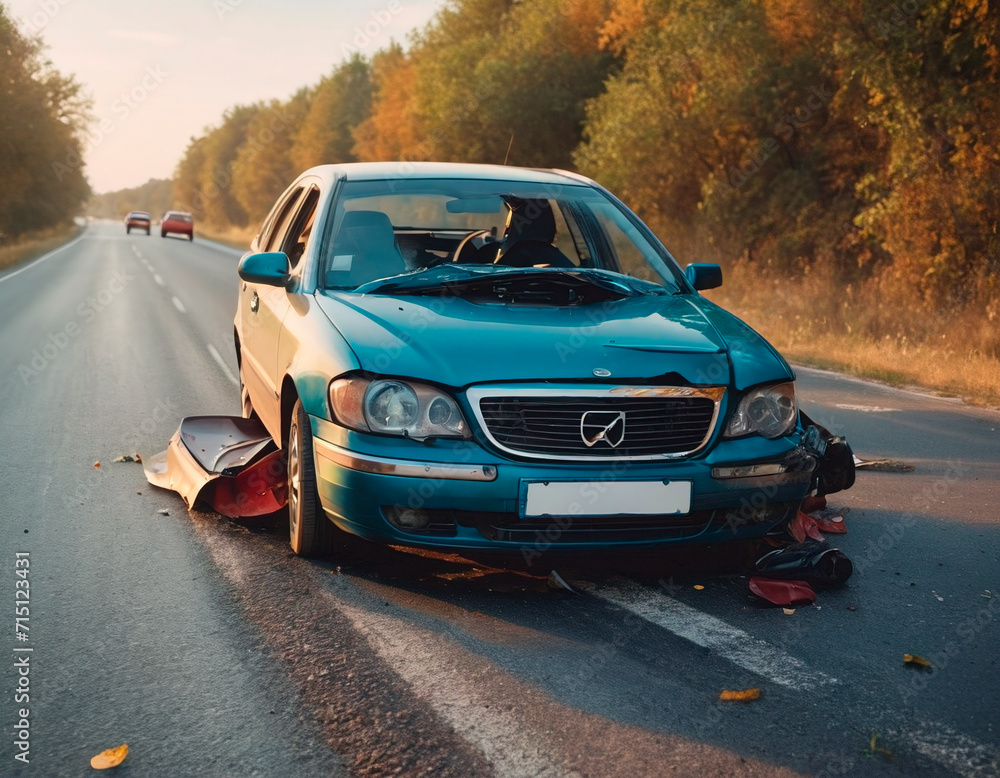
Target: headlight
{"points": [[769, 411], [392, 407]]}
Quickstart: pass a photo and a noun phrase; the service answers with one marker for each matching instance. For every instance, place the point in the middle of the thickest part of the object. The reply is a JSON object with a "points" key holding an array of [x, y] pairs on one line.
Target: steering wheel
{"points": [[466, 240]]}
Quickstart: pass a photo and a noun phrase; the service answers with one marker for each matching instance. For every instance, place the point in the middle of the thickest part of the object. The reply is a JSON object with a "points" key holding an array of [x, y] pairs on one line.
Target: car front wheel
{"points": [[310, 532]]}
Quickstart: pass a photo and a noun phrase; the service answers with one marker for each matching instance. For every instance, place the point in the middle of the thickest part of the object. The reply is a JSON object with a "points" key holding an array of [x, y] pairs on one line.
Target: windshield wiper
{"points": [[498, 283]]}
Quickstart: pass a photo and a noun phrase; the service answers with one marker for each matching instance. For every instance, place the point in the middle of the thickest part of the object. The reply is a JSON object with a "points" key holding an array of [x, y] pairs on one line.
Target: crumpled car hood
{"points": [[457, 343]]}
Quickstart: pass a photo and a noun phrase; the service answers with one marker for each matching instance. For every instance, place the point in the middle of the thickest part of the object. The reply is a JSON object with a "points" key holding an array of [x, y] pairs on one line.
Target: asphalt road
{"points": [[211, 650]]}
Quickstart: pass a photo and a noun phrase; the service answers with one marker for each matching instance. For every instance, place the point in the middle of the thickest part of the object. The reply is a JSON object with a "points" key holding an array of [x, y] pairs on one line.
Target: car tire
{"points": [[163, 234], [128, 230], [310, 532], [190, 236], [147, 233]]}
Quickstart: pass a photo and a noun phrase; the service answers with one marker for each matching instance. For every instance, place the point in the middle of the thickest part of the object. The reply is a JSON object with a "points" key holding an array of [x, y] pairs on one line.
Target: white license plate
{"points": [[606, 498]]}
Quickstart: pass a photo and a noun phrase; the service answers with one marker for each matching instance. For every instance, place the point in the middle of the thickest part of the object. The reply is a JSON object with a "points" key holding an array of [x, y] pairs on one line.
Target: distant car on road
{"points": [[179, 222], [137, 219], [485, 357]]}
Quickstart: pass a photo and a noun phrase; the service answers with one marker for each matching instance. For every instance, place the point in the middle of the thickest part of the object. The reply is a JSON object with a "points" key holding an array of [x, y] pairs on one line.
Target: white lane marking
{"points": [[41, 259], [865, 408], [222, 363], [179, 305], [753, 654], [159, 280], [511, 750], [952, 749]]}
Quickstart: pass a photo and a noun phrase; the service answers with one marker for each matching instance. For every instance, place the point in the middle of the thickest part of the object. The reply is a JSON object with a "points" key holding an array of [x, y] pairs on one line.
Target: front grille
{"points": [[557, 426]]}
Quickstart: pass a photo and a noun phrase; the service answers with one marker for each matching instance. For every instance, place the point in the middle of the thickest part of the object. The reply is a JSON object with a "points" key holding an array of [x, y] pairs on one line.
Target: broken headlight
{"points": [[393, 407], [768, 410]]}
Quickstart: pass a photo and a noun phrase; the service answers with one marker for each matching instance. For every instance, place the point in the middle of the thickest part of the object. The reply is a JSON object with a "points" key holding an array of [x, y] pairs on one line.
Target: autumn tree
{"points": [[340, 102], [263, 167], [495, 76], [216, 198], [393, 129], [42, 120]]}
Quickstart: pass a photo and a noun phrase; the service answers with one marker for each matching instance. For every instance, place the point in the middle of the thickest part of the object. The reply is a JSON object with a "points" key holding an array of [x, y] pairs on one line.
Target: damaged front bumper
{"points": [[227, 463], [460, 495]]}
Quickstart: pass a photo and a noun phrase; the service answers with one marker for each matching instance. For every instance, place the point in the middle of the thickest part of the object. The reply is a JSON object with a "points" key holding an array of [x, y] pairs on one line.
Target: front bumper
{"points": [[461, 495]]}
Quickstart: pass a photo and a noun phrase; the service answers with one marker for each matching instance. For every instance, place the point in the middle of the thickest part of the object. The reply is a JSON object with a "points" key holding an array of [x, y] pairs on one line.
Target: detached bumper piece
{"points": [[835, 461], [226, 462]]}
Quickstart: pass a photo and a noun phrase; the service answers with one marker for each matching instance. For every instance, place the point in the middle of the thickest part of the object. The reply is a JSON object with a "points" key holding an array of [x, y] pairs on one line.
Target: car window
{"points": [[300, 230], [383, 229], [272, 231]]}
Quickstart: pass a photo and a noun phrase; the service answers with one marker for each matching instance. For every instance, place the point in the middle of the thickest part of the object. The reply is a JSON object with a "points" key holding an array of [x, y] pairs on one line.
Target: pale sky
{"points": [[160, 72]]}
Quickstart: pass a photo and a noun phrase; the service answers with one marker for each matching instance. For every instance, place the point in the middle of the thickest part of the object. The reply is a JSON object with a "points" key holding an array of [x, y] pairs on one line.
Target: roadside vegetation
{"points": [[42, 120], [840, 161], [35, 244]]}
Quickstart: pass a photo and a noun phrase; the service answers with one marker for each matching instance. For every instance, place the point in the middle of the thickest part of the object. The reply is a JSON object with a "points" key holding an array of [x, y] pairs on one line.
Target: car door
{"points": [[262, 308]]}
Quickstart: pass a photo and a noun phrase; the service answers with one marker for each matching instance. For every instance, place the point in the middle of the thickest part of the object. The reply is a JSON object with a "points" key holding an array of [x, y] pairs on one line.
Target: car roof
{"points": [[371, 171], [177, 213], [138, 213]]}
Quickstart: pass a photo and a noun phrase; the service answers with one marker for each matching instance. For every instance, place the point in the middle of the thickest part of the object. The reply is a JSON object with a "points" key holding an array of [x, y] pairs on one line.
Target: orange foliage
{"points": [[392, 131], [626, 21], [584, 20], [792, 22]]}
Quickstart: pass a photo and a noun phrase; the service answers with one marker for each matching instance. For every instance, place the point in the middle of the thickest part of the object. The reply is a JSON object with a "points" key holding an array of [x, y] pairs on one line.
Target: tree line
{"points": [[42, 119], [156, 197], [857, 139]]}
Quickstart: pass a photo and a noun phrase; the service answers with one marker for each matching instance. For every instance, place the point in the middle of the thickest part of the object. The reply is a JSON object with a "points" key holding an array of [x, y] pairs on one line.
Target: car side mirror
{"points": [[268, 267], [703, 275]]}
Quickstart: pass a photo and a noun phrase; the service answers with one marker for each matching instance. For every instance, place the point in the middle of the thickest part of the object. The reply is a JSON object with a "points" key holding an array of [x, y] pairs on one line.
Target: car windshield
{"points": [[427, 235]]}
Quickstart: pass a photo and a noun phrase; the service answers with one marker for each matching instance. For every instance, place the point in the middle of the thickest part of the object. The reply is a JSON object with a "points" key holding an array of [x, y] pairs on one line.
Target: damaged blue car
{"points": [[486, 357]]}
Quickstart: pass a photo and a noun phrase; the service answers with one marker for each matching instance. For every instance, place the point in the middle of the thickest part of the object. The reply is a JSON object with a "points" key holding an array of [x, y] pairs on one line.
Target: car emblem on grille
{"points": [[600, 372], [608, 426]]}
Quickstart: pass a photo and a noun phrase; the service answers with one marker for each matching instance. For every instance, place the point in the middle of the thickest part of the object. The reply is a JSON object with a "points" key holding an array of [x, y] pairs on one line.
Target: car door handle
{"points": [[254, 303]]}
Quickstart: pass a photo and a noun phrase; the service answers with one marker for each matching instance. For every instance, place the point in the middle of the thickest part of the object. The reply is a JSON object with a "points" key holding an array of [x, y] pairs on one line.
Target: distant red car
{"points": [[137, 219], [179, 222]]}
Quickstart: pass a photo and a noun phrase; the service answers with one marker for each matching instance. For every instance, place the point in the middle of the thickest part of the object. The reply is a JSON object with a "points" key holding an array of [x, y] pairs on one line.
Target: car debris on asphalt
{"points": [[226, 462]]}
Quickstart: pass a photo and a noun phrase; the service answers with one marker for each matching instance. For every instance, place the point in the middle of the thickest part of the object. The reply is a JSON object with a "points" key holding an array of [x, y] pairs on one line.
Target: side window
{"points": [[280, 223], [297, 236]]}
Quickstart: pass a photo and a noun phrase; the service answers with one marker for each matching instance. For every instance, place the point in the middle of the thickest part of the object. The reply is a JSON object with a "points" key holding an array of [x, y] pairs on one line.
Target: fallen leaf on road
{"points": [[110, 758], [699, 587], [128, 458], [97, 464], [917, 661], [163, 512], [875, 748], [746, 695]]}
